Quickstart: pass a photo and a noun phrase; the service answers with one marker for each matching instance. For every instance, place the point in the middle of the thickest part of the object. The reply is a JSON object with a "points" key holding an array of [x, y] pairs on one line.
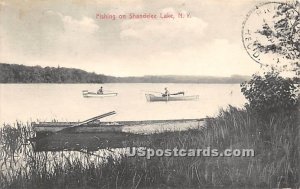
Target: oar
{"points": [[154, 92], [88, 121], [179, 93]]}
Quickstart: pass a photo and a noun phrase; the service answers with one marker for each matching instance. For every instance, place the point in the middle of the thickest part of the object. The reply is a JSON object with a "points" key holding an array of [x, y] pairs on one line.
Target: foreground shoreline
{"points": [[275, 163]]}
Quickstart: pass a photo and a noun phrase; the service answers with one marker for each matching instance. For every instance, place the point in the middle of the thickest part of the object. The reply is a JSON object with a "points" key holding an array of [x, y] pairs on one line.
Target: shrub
{"points": [[270, 93]]}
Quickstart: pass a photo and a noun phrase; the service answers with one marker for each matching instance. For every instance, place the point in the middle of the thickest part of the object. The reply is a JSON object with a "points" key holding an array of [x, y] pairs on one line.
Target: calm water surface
{"points": [[64, 102]]}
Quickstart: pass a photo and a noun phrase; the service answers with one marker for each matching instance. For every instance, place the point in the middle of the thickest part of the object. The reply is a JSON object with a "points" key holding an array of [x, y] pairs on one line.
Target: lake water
{"points": [[64, 102]]}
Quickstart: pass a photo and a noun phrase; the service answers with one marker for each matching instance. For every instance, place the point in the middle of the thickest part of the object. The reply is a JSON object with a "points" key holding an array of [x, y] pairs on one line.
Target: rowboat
{"points": [[84, 141], [154, 98], [119, 126], [88, 94], [92, 136]]}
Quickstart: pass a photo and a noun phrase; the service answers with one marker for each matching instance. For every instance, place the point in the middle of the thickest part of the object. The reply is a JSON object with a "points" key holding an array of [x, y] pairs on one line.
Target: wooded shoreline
{"points": [[14, 73]]}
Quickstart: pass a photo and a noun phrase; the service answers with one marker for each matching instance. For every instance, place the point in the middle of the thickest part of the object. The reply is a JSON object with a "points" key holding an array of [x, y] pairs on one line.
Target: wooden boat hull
{"points": [[58, 126], [83, 141], [153, 98], [120, 126], [102, 135], [88, 94]]}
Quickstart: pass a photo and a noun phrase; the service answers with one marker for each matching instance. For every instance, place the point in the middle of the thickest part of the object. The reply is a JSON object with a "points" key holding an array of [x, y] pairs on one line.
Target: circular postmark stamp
{"points": [[268, 33]]}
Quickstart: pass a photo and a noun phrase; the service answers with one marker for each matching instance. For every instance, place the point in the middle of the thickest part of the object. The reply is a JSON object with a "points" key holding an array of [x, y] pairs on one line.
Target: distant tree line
{"points": [[183, 79], [14, 73]]}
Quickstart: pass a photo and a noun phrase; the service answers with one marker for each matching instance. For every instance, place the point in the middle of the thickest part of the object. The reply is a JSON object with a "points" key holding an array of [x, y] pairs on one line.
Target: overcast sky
{"points": [[67, 33]]}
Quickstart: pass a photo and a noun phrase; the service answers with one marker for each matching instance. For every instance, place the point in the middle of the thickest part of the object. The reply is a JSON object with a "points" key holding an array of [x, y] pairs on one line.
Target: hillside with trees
{"points": [[14, 73]]}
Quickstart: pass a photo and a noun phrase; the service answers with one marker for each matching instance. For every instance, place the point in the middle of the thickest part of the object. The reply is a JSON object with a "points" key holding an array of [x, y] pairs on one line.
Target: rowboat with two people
{"points": [[167, 96]]}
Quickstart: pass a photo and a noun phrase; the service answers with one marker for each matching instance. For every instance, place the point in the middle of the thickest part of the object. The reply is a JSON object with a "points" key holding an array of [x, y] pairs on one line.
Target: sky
{"points": [[69, 34]]}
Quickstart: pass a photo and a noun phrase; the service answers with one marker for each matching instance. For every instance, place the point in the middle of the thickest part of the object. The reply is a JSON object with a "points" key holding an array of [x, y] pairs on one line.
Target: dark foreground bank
{"points": [[275, 164]]}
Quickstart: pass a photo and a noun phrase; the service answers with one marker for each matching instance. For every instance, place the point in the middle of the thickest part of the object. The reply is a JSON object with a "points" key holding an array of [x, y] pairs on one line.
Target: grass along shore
{"points": [[276, 161]]}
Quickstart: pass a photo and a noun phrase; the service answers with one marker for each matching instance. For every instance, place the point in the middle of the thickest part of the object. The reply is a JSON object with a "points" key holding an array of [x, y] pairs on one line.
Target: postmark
{"points": [[264, 39]]}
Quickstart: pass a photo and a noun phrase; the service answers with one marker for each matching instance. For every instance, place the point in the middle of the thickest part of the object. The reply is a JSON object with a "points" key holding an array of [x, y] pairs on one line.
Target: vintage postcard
{"points": [[149, 94]]}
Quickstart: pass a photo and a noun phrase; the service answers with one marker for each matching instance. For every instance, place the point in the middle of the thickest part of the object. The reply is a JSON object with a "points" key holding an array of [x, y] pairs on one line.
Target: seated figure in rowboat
{"points": [[100, 91], [167, 93]]}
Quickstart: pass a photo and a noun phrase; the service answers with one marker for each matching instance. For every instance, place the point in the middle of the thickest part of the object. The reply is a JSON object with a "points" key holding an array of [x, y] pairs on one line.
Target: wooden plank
{"points": [[88, 120]]}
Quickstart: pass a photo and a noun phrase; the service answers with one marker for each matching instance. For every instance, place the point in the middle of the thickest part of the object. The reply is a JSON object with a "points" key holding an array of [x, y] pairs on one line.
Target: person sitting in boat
{"points": [[167, 93], [100, 91]]}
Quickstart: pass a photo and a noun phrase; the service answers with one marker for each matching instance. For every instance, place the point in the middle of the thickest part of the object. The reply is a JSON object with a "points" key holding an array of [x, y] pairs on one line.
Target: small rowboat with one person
{"points": [[171, 97], [88, 94], [154, 98]]}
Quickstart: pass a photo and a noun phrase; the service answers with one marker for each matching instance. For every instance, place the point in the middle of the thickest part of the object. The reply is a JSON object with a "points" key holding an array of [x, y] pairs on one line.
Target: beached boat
{"points": [[93, 134], [87, 94], [119, 126], [84, 141], [154, 98]]}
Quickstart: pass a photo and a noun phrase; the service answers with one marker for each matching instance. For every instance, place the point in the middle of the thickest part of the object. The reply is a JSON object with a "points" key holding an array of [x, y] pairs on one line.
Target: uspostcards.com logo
{"points": [[175, 152]]}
